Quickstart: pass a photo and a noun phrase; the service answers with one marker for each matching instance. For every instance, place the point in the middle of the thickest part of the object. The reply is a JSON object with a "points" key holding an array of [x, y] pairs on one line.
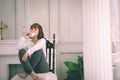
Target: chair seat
{"points": [[42, 76]]}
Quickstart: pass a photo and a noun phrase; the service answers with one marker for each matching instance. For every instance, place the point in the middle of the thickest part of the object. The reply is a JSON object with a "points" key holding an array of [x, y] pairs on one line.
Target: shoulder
{"points": [[42, 40]]}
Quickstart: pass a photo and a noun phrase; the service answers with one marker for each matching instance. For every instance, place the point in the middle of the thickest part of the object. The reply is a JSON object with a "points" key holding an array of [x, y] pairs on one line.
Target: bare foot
{"points": [[22, 75], [35, 76]]}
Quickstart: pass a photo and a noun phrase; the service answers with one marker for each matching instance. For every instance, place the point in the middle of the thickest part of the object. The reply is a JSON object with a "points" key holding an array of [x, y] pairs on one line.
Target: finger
{"points": [[23, 58]]}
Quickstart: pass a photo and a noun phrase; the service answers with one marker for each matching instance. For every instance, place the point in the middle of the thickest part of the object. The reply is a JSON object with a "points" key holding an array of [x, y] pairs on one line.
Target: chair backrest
{"points": [[50, 54]]}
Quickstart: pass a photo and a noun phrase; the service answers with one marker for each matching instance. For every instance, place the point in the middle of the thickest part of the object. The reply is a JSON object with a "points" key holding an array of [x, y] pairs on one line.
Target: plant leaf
{"points": [[71, 65]]}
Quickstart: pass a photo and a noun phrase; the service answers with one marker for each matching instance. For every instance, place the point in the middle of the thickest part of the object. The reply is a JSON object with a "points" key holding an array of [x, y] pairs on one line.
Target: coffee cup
{"points": [[31, 35]]}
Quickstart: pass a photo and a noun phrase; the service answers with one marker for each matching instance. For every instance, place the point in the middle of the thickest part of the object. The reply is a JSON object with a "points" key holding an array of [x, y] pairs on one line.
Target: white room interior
{"points": [[83, 27]]}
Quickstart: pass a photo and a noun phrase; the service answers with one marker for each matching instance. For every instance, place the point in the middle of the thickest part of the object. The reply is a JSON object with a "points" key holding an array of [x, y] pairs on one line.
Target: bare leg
{"points": [[23, 75], [34, 75]]}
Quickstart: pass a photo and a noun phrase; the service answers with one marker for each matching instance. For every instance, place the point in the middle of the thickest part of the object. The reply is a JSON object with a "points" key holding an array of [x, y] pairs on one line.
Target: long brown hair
{"points": [[41, 33]]}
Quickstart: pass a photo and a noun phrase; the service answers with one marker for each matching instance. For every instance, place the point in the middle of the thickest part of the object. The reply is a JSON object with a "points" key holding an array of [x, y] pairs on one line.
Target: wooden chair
{"points": [[50, 54]]}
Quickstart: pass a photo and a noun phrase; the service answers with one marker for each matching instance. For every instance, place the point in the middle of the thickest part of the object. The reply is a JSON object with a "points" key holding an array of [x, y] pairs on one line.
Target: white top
{"points": [[28, 45]]}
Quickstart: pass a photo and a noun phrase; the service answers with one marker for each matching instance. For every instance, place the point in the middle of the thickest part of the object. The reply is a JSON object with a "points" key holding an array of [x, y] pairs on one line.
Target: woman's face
{"points": [[34, 30]]}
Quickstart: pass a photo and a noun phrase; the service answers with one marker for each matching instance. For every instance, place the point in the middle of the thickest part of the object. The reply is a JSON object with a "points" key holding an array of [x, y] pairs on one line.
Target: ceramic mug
{"points": [[31, 35]]}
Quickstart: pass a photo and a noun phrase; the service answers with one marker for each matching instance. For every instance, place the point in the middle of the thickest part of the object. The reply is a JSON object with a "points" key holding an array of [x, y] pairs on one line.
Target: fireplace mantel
{"points": [[8, 55], [8, 47]]}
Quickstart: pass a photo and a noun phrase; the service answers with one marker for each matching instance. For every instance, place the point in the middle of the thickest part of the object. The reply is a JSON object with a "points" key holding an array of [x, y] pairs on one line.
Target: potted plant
{"points": [[75, 70]]}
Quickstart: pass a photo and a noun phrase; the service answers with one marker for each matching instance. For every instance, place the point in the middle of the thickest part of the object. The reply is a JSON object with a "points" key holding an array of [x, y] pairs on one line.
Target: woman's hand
{"points": [[25, 56], [26, 34]]}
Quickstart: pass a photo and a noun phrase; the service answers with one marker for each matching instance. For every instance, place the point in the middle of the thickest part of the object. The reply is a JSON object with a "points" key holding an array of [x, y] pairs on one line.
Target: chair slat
{"points": [[50, 52]]}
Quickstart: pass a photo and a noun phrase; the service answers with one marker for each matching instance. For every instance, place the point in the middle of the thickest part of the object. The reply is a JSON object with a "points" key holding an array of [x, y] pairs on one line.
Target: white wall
{"points": [[7, 16], [70, 33]]}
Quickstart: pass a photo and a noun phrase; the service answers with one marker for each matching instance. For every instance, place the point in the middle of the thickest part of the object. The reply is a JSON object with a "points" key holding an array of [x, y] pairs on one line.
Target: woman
{"points": [[32, 50]]}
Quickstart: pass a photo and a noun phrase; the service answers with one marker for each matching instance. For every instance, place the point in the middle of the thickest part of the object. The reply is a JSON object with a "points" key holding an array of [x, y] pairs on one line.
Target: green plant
{"points": [[75, 70]]}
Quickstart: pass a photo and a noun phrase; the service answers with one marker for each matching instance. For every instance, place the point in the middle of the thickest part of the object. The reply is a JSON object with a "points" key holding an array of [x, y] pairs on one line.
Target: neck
{"points": [[35, 39]]}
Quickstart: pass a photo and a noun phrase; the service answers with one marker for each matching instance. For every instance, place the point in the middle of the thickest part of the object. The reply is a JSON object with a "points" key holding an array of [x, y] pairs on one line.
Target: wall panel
{"points": [[70, 21]]}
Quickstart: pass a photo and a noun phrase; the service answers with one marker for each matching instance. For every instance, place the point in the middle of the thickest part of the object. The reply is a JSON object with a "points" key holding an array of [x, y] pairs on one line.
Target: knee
{"points": [[28, 71], [39, 51], [21, 52]]}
